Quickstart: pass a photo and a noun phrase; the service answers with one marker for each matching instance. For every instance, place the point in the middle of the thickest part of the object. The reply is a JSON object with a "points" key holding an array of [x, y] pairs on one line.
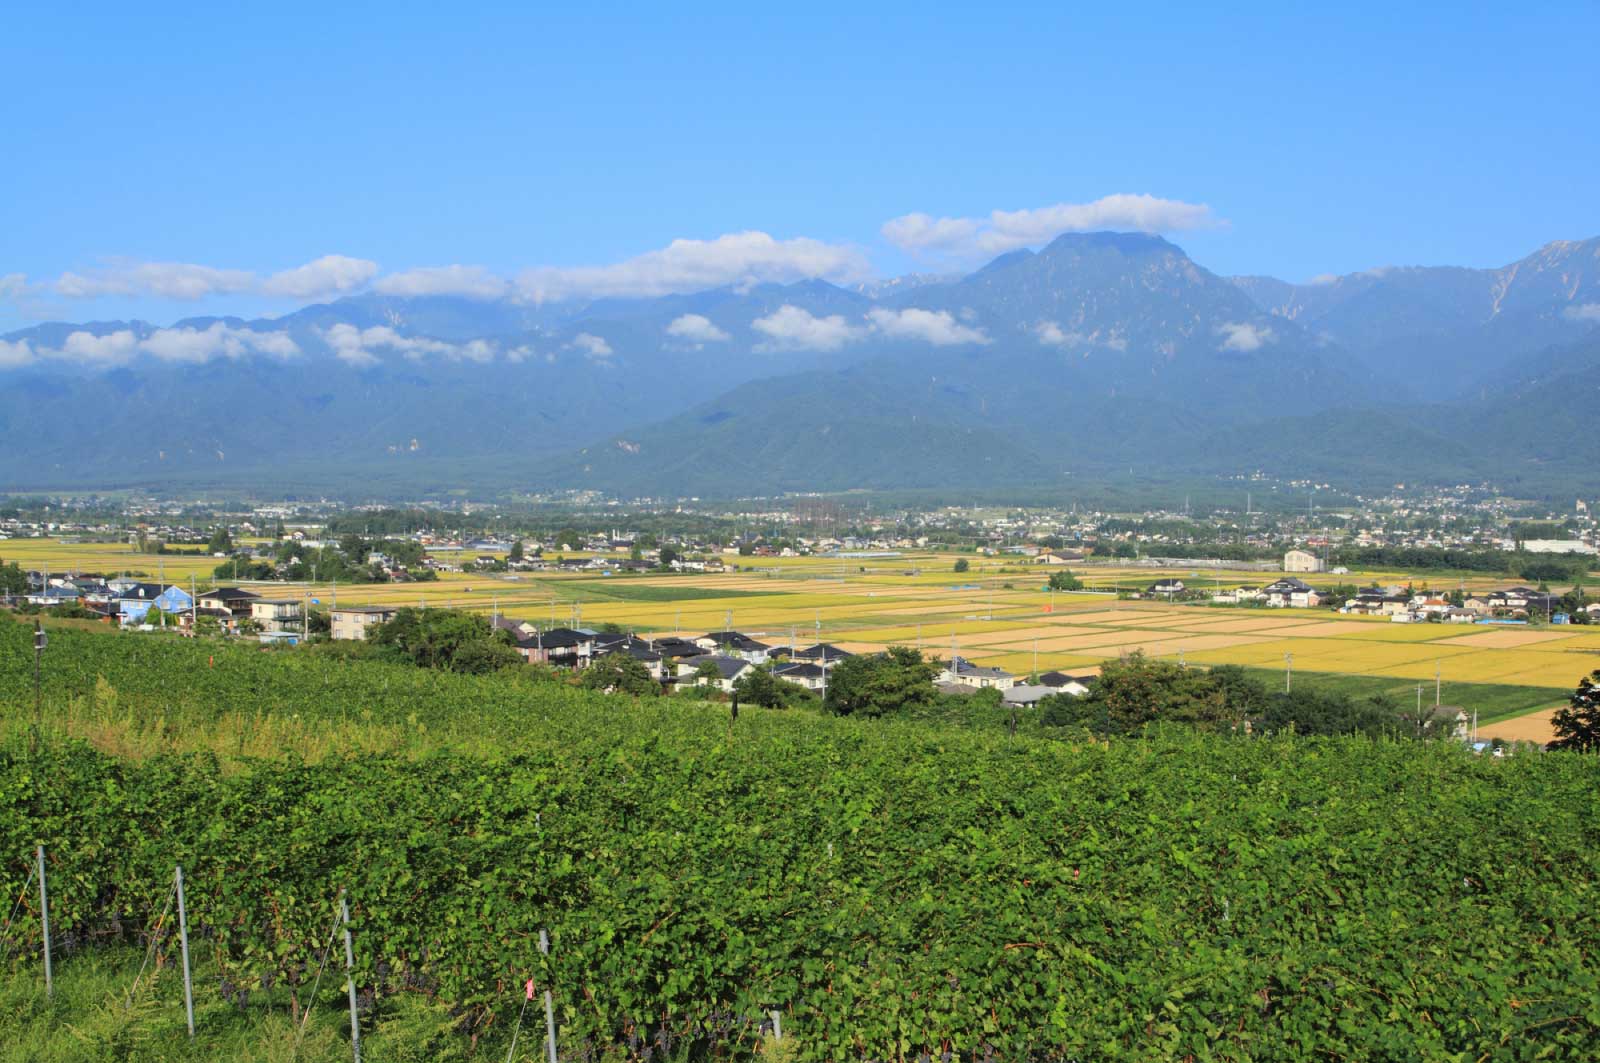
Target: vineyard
{"points": [[895, 891]]}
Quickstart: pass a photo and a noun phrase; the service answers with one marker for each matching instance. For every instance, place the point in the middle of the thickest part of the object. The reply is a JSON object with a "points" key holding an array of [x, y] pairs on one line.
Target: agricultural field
{"points": [[997, 614], [893, 890]]}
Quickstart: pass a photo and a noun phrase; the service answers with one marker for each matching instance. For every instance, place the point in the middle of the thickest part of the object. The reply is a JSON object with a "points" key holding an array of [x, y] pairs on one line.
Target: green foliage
{"points": [[1064, 580], [760, 687], [1547, 570], [881, 684], [241, 569], [618, 673], [450, 639], [1136, 691], [896, 889], [221, 541], [13, 580], [1577, 723], [962, 564]]}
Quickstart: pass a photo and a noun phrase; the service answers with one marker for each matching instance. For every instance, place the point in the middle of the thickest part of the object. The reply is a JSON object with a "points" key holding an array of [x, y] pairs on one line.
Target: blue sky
{"points": [[141, 139]]}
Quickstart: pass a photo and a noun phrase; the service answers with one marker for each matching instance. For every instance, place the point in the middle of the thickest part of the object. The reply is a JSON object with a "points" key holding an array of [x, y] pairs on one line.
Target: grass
{"points": [[1494, 701], [93, 1016]]}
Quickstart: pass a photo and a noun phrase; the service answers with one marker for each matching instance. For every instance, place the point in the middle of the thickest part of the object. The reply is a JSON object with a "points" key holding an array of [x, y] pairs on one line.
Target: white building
{"points": [[1302, 561]]}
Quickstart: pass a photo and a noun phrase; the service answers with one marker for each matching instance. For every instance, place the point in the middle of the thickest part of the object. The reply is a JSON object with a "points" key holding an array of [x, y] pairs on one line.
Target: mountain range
{"points": [[1100, 356]]}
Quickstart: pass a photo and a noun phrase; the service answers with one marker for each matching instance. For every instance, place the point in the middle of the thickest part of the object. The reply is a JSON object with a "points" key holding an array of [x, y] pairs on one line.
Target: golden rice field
{"points": [[996, 614]]}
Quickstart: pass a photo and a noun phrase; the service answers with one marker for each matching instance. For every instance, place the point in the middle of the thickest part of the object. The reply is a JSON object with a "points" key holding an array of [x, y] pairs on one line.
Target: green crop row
{"points": [[897, 891]]}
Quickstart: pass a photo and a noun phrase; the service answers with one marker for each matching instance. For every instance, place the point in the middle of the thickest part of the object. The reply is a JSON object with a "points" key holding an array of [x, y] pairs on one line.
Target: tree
{"points": [[878, 684], [962, 564], [668, 555], [12, 579], [1135, 691], [516, 553], [706, 672], [445, 638], [1577, 723], [760, 687], [618, 673], [354, 548], [1065, 581], [221, 542]]}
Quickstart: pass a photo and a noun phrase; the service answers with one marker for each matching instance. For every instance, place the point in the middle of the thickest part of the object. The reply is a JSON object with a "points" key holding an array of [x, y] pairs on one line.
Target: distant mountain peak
{"points": [[1126, 243]]}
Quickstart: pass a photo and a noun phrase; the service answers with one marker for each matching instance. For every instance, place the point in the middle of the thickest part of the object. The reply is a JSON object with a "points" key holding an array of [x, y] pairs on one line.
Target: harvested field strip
{"points": [[1505, 640]]}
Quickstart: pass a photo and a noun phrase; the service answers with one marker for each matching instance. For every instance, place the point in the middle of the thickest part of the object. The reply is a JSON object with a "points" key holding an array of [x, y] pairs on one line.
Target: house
{"points": [[562, 647], [964, 673], [1302, 561], [232, 600], [1057, 557], [804, 673], [1165, 588], [637, 648], [823, 653], [1450, 721], [1290, 593], [354, 623], [137, 601], [1063, 683], [735, 643], [1460, 616], [1237, 596], [673, 648], [728, 669], [519, 629], [278, 615], [1027, 695]]}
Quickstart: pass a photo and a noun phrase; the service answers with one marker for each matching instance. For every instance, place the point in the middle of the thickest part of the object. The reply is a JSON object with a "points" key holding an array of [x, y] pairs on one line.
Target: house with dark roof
{"points": [[234, 601], [823, 653], [1165, 588], [963, 672], [562, 647], [735, 643], [1066, 683], [1290, 593], [803, 673], [728, 670], [637, 648]]}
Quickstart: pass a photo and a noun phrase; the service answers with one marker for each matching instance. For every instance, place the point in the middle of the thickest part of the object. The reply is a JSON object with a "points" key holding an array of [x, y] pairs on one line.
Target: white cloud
{"points": [[1052, 335], [1006, 230], [358, 347], [181, 345], [789, 328], [328, 275], [216, 341], [936, 327], [1583, 312], [1244, 336], [12, 285], [165, 280], [739, 259], [113, 348], [15, 354], [696, 328], [471, 282], [917, 231], [592, 346]]}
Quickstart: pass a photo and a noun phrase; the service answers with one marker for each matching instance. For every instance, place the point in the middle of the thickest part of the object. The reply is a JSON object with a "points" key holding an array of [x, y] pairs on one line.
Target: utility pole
{"points": [[40, 640], [1288, 671]]}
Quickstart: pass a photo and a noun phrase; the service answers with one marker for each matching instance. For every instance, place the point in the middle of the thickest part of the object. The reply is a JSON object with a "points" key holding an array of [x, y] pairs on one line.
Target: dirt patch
{"points": [[1534, 727]]}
